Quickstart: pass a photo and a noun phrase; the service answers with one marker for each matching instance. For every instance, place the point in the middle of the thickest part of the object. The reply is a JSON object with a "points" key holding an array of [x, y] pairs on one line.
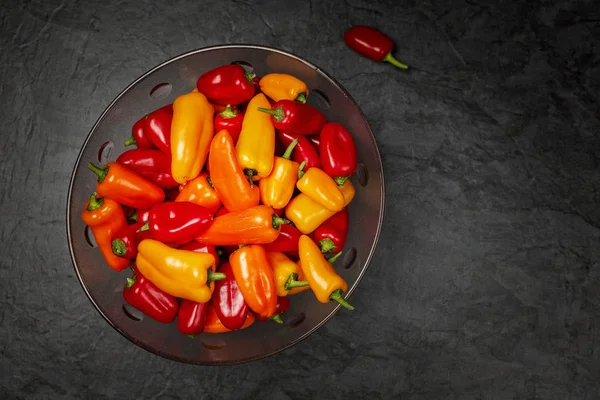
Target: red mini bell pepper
{"points": [[143, 295], [286, 242], [152, 164], [229, 301], [338, 152], [296, 117], [228, 84], [231, 120], [125, 241], [283, 304], [304, 150], [158, 129], [191, 317], [141, 215], [177, 222], [372, 43], [139, 136], [331, 234]]}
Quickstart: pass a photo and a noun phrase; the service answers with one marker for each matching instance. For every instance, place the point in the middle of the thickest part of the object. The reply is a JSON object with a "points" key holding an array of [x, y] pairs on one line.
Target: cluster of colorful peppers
{"points": [[231, 201]]}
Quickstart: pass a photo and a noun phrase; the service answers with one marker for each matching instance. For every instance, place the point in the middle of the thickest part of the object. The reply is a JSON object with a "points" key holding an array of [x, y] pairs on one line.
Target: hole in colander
{"points": [[161, 91], [362, 176], [133, 313], [89, 237], [105, 151], [318, 99], [295, 321], [349, 258], [244, 64], [213, 343]]}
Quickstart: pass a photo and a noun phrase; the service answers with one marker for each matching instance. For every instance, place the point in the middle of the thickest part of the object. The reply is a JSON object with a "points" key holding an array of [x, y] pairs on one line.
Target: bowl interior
{"points": [[161, 86]]}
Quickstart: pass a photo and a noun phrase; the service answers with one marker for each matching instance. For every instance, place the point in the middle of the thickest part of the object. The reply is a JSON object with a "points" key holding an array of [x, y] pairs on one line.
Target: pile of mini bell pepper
{"points": [[234, 198]]}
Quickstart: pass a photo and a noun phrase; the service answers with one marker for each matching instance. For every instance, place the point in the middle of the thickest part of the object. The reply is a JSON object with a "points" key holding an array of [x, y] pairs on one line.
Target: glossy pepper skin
{"points": [[276, 190], [321, 188], [180, 273], [191, 134], [283, 304], [304, 150], [139, 136], [307, 214], [143, 295], [288, 276], [178, 222], [231, 120], [227, 84], [228, 179], [254, 276], [200, 191], [105, 217], [331, 235], [191, 317], [214, 325], [256, 225], [125, 186], [286, 242], [372, 43], [158, 129], [315, 140], [126, 240], [283, 87], [255, 148], [292, 116], [338, 152], [325, 283], [152, 164], [201, 248], [228, 300]]}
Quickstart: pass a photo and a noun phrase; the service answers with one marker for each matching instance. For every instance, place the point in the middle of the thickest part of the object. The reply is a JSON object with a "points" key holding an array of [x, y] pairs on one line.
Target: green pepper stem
{"points": [[214, 276], [131, 281], [250, 76], [118, 247], [249, 172], [277, 113], [101, 172], [334, 258], [301, 98], [278, 221], [144, 227], [290, 148], [277, 318], [341, 179], [293, 282], [191, 336], [95, 203], [133, 217], [228, 112], [130, 141], [337, 296], [390, 58], [209, 182], [300, 169], [326, 245]]}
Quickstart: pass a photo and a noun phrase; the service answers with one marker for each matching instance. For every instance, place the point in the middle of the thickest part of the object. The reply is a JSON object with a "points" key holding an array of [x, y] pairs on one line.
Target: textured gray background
{"points": [[486, 282]]}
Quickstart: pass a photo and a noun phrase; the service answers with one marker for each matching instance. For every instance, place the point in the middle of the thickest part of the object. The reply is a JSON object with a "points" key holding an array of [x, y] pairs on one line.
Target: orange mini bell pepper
{"points": [[325, 283], [307, 214], [287, 274], [255, 279], [213, 324], [228, 177], [321, 188], [283, 87], [191, 134], [276, 190], [105, 217], [181, 273], [200, 191], [255, 147], [256, 225]]}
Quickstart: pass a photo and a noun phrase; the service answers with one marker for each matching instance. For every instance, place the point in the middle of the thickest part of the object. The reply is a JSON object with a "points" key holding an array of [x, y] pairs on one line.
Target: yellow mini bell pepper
{"points": [[288, 275], [283, 87], [255, 148], [180, 273], [191, 133], [320, 188], [307, 214], [277, 189]]}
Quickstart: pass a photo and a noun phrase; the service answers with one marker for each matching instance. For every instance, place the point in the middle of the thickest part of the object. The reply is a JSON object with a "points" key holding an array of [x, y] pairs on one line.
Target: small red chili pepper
{"points": [[331, 234], [152, 164], [158, 129], [372, 43], [143, 295], [125, 241], [177, 222], [304, 150], [228, 84], [139, 136], [202, 248], [296, 117], [231, 120], [283, 304], [287, 241], [338, 152], [228, 300], [191, 317]]}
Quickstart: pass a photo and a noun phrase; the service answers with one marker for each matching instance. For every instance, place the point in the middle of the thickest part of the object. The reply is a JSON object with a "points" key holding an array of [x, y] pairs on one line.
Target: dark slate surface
{"points": [[486, 283]]}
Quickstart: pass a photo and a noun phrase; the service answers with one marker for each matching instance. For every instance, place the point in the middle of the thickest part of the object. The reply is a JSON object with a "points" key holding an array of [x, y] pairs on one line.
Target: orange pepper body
{"points": [[105, 221], [283, 267], [307, 214], [199, 191], [228, 177], [191, 134], [254, 276], [255, 148], [321, 188], [256, 225], [180, 273], [213, 324], [282, 87], [277, 189]]}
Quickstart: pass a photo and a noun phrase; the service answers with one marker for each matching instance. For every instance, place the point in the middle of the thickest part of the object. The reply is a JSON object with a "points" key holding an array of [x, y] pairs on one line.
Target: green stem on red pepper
{"points": [[333, 259], [276, 318], [130, 141]]}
